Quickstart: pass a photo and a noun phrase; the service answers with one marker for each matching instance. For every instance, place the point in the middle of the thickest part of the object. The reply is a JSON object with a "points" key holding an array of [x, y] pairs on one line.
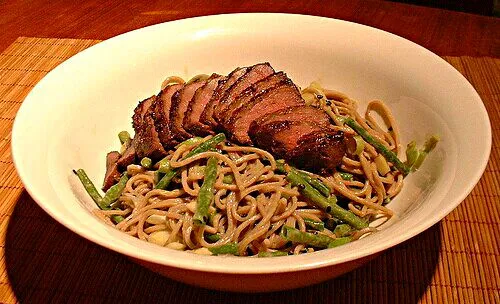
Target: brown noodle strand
{"points": [[251, 209]]}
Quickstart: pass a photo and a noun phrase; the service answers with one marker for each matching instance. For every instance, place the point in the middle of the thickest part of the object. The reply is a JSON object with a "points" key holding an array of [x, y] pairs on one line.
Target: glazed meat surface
{"points": [[147, 143]]}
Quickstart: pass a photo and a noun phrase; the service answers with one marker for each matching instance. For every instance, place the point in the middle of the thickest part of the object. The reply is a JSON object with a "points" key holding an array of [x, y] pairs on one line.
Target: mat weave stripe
{"points": [[455, 261]]}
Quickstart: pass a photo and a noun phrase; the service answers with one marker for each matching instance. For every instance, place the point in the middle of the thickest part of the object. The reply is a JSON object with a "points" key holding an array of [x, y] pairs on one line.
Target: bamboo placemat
{"points": [[455, 261]]}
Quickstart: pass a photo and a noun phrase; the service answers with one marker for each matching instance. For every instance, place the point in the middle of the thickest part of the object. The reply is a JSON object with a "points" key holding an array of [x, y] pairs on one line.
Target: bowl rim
{"points": [[177, 260]]}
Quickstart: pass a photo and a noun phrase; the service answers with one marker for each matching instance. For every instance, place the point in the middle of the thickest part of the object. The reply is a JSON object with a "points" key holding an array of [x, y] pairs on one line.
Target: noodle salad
{"points": [[211, 196]]}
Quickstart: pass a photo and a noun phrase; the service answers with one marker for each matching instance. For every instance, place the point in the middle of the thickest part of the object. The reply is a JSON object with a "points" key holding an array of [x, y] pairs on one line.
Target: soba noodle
{"points": [[252, 201]]}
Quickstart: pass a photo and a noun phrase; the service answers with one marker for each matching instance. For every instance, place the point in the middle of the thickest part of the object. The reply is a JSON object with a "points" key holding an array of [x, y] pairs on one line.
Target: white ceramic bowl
{"points": [[71, 118]]}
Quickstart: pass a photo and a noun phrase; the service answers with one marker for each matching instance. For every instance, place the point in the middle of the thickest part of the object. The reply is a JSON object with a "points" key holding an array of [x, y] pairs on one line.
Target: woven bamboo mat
{"points": [[455, 261]]}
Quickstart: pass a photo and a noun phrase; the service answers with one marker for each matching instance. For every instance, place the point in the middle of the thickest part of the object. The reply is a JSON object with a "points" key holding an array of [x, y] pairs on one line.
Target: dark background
{"points": [[481, 7]]}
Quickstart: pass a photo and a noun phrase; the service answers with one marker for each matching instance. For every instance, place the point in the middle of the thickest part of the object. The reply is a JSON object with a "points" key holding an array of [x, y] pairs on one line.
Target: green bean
{"points": [[191, 141], [163, 165], [297, 236], [346, 176], [228, 179], [268, 254], [166, 179], [157, 176], [320, 226], [89, 186], [411, 153], [206, 192], [339, 241], [323, 203], [342, 230], [124, 137], [282, 167], [316, 183], [94, 194], [388, 154], [203, 147], [431, 143], [146, 162], [115, 191], [117, 218], [415, 157], [230, 248], [360, 144], [212, 237]]}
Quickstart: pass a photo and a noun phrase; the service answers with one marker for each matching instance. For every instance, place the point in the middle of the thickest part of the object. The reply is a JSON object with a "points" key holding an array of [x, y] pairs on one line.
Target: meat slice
{"points": [[319, 151], [249, 93], [283, 95], [180, 102], [252, 75], [112, 175], [307, 144], [294, 114], [147, 142], [128, 157], [192, 123], [161, 115], [281, 136], [207, 115]]}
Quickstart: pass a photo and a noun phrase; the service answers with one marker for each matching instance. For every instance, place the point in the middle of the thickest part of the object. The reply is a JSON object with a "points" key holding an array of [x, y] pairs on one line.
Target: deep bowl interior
{"points": [[72, 116]]}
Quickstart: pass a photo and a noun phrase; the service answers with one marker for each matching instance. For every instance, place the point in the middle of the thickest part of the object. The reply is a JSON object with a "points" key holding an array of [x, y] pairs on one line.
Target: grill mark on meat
{"points": [[298, 113], [280, 137], [319, 151], [192, 123], [247, 95], [208, 113], [283, 95], [161, 115], [112, 175], [147, 142], [180, 102], [253, 74]]}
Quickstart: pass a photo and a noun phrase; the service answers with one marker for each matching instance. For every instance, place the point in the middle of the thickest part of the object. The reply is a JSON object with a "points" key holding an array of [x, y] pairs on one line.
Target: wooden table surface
{"points": [[447, 33]]}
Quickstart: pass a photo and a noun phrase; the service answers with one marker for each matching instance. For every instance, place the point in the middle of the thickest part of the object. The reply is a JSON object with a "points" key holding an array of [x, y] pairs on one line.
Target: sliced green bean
{"points": [[297, 236], [282, 167], [212, 238], [117, 218], [339, 241], [415, 157], [268, 254], [206, 192], [388, 154], [346, 176], [94, 194], [89, 186], [124, 137], [320, 226], [146, 162], [115, 191], [411, 153], [323, 203], [316, 183], [228, 179], [163, 165], [431, 143], [230, 248], [360, 144], [203, 147], [191, 141], [342, 230]]}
